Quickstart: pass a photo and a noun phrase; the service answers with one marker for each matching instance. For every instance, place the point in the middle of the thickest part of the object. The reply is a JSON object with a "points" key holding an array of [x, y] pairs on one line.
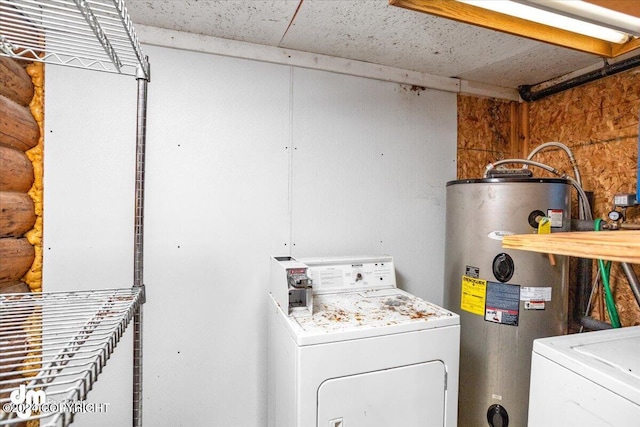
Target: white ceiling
{"points": [[370, 31]]}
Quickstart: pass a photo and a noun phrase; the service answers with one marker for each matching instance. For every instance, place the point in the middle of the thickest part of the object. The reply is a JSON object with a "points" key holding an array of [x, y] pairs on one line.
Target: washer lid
{"points": [[610, 358], [367, 313]]}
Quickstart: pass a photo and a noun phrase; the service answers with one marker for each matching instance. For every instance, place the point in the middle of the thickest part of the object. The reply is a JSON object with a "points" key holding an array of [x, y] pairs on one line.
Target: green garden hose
{"points": [[605, 270]]}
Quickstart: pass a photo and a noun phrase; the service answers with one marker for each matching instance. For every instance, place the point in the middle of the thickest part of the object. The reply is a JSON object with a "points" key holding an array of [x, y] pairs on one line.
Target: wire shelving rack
{"points": [[58, 342]]}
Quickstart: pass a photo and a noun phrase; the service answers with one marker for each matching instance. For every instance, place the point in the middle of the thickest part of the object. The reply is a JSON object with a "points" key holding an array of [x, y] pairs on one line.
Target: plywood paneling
{"points": [[484, 134], [599, 122]]}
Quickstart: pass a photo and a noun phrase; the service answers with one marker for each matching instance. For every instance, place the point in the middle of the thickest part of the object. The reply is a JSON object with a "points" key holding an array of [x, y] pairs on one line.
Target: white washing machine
{"points": [[347, 348], [590, 379]]}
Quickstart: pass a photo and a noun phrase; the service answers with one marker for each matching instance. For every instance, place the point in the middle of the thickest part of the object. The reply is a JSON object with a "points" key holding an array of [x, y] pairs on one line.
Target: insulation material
{"points": [[34, 276], [484, 134], [599, 122]]}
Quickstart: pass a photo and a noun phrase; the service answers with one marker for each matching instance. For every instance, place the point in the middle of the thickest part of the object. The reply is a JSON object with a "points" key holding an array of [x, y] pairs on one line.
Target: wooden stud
{"points": [[514, 140], [523, 130]]}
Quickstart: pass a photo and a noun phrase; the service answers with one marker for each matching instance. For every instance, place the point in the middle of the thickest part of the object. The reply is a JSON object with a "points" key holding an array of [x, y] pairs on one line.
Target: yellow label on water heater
{"points": [[474, 295]]}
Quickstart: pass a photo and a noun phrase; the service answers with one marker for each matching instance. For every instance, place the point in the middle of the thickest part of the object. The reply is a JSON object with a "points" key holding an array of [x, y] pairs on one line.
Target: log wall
{"points": [[19, 133], [598, 121], [13, 84], [21, 147]]}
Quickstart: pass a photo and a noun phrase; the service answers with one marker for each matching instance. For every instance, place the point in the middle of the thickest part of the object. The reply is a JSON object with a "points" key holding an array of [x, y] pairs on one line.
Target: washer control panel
{"points": [[347, 275]]}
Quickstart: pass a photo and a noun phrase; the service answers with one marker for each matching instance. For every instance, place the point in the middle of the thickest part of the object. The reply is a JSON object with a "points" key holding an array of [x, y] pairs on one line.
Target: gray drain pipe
{"points": [[594, 324], [528, 92], [632, 278]]}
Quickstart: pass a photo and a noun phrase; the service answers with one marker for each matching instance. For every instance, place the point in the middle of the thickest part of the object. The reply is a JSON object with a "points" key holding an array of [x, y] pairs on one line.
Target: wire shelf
{"points": [[58, 343], [90, 34]]}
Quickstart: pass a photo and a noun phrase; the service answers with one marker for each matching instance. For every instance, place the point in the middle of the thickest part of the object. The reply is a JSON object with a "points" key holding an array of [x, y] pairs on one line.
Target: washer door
{"points": [[407, 396]]}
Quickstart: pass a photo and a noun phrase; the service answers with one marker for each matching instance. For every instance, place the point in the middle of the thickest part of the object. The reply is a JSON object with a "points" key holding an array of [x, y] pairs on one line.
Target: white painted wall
{"points": [[244, 159], [88, 205]]}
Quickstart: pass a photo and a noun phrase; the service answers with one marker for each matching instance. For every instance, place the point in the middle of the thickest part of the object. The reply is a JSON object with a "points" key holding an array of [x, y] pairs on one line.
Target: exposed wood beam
{"points": [[469, 14], [514, 132], [525, 145]]}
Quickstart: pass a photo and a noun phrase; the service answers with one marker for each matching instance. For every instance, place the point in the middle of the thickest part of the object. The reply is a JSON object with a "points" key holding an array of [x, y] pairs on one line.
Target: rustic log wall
{"points": [[598, 121], [21, 145], [13, 83], [16, 170], [19, 133]]}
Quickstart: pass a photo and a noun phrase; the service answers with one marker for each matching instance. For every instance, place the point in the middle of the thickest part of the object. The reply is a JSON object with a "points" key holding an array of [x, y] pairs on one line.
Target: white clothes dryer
{"points": [[347, 348]]}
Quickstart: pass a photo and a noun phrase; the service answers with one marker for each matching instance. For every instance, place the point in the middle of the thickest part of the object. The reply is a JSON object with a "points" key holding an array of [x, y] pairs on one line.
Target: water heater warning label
{"points": [[503, 303], [471, 271], [474, 295], [556, 217]]}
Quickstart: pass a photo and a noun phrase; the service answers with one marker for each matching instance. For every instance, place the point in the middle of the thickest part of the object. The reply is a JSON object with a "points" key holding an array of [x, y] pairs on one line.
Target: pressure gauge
{"points": [[615, 216]]}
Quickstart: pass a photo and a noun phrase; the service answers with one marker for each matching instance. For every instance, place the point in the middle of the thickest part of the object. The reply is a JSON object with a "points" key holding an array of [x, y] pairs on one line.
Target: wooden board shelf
{"points": [[622, 245]]}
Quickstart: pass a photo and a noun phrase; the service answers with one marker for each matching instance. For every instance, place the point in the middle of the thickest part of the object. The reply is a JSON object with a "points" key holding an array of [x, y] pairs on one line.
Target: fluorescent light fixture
{"points": [[553, 19], [592, 13]]}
